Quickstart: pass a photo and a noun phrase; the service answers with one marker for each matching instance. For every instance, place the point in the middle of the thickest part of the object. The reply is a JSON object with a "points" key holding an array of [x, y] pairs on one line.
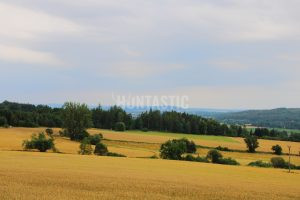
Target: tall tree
{"points": [[76, 118]]}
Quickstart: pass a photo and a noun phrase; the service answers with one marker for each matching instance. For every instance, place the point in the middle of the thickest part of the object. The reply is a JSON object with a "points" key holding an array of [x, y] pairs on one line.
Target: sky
{"points": [[219, 53]]}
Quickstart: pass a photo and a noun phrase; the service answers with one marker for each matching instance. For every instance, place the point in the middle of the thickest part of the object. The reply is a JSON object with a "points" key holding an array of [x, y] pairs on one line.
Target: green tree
{"points": [[277, 149], [278, 162], [252, 143], [214, 156], [49, 131], [3, 121], [39, 142], [85, 147], [100, 149], [120, 126], [76, 118], [173, 149], [95, 139]]}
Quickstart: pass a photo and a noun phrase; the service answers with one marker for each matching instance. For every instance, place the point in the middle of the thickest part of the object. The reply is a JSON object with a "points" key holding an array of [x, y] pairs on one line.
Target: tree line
{"points": [[28, 115]]}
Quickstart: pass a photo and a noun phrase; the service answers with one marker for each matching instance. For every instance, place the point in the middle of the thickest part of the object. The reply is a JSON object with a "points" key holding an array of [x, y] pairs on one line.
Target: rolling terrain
{"points": [[67, 175]]}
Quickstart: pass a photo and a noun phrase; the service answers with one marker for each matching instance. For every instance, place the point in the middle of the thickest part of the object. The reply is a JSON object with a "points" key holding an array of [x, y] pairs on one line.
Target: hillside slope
{"points": [[275, 118]]}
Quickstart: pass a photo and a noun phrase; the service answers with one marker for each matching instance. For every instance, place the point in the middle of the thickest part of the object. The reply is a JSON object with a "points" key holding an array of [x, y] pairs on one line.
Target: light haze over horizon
{"points": [[228, 54]]}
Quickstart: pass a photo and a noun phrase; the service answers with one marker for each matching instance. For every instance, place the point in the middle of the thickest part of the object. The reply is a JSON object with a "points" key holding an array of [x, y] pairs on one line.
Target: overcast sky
{"points": [[222, 54]]}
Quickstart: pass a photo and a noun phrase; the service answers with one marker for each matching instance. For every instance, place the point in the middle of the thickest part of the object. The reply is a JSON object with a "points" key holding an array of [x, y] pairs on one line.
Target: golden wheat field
{"points": [[33, 175], [139, 144], [67, 175]]}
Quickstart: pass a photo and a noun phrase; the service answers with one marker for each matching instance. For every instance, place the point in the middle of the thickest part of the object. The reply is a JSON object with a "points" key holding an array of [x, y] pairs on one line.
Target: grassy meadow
{"points": [[67, 175]]}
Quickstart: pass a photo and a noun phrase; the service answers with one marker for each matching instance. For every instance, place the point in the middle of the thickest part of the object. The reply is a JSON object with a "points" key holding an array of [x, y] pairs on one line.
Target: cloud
{"points": [[23, 55], [18, 23], [138, 69]]}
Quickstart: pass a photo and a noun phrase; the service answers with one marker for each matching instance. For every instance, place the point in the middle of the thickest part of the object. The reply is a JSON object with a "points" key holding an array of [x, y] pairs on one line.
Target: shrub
{"points": [[120, 126], [49, 131], [85, 147], [95, 139], [277, 149], [115, 154], [279, 162], [190, 145], [100, 149], [173, 149], [222, 148], [228, 161], [195, 159], [260, 163], [145, 130], [252, 143], [154, 157], [39, 142], [79, 136], [214, 156]]}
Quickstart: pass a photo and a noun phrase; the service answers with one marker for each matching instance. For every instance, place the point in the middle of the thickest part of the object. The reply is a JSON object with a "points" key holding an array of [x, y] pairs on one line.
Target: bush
{"points": [[195, 159], [228, 161], [190, 145], [279, 162], [277, 149], [214, 156], [260, 163], [85, 147], [120, 126], [101, 149], [154, 157], [222, 148], [115, 154], [39, 142], [79, 136], [252, 143], [49, 131], [145, 130], [95, 139], [173, 149]]}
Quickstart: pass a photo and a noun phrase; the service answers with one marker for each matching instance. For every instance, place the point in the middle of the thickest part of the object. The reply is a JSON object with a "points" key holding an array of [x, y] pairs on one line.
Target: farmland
{"points": [[67, 175], [33, 175]]}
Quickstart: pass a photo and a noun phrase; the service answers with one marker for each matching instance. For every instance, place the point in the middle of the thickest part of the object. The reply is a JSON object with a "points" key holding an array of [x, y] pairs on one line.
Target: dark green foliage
{"points": [[195, 159], [279, 162], [49, 131], [39, 142], [27, 115], [260, 163], [184, 123], [252, 143], [3, 121], [222, 148], [85, 147], [100, 149], [95, 139], [107, 119], [173, 149], [120, 126], [190, 145], [277, 149], [77, 118], [214, 156], [145, 130], [114, 154], [228, 161]]}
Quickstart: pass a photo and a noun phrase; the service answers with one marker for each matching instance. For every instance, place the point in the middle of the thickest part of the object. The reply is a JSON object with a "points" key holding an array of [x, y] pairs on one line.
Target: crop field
{"points": [[136, 144], [33, 175]]}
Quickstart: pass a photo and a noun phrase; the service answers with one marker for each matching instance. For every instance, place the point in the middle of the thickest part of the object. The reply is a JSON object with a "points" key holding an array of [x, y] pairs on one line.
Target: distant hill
{"points": [[275, 118]]}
